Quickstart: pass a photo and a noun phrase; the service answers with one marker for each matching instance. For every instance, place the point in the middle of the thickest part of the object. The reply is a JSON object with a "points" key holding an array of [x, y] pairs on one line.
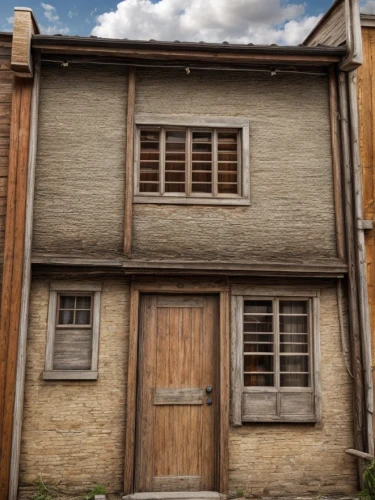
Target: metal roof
{"points": [[177, 45]]}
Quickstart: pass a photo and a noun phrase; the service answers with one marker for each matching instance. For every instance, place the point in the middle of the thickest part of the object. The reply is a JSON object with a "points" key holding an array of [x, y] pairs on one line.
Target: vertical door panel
{"points": [[176, 430]]}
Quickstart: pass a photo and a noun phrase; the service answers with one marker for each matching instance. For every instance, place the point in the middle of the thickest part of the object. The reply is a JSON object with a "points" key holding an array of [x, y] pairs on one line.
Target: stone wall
{"points": [[73, 432]]}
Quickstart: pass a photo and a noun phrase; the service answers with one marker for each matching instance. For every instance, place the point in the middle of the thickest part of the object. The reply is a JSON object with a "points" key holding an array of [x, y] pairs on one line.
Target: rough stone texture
{"points": [[80, 172], [73, 432], [286, 460], [79, 204], [291, 216]]}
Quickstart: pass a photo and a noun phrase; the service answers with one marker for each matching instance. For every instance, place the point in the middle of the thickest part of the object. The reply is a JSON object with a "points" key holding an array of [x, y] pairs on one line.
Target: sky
{"points": [[285, 22]]}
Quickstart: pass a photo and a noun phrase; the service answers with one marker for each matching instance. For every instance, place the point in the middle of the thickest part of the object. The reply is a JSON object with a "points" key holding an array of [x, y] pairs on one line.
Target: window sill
{"points": [[177, 200], [70, 375], [296, 419]]}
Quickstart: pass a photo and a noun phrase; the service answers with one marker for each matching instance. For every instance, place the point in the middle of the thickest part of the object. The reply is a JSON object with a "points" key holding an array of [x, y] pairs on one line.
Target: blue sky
{"points": [[257, 21]]}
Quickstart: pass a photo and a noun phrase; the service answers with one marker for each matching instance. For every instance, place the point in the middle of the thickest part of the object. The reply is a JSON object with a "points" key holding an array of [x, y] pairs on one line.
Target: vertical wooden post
{"points": [[13, 267], [355, 342], [336, 163], [131, 400], [364, 314], [24, 314], [129, 168]]}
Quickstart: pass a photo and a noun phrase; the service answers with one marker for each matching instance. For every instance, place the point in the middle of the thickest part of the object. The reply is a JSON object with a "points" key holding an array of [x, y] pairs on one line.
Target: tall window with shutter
{"points": [[275, 346], [73, 332]]}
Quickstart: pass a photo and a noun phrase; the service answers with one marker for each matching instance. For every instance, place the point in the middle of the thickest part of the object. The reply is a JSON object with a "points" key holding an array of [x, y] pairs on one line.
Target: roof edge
{"points": [[325, 16], [74, 41]]}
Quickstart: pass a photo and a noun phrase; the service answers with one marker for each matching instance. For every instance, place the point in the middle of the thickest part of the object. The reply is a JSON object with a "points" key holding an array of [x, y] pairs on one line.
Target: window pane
{"points": [[67, 302], [258, 347], [83, 302], [149, 161], [294, 380], [294, 363], [258, 380], [293, 347], [293, 324], [175, 161], [227, 162], [258, 324], [258, 306], [258, 337], [82, 317], [293, 307], [66, 317], [201, 181], [258, 363]]}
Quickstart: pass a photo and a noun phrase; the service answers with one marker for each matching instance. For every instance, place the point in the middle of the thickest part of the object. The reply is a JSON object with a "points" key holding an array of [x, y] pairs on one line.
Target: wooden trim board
{"points": [[173, 286], [13, 267], [129, 167]]}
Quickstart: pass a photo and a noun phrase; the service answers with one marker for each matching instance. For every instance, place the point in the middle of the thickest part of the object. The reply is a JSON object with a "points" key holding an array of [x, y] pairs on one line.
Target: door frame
{"points": [[183, 287]]}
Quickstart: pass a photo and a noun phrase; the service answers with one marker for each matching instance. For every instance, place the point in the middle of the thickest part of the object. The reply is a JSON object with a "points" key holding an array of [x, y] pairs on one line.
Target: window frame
{"points": [[238, 390], [196, 123], [70, 288]]}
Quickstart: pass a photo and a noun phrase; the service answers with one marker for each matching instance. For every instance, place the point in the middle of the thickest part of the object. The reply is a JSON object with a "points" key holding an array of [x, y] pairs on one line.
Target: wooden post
{"points": [[355, 342], [336, 163], [13, 267], [21, 361], [129, 169], [364, 313]]}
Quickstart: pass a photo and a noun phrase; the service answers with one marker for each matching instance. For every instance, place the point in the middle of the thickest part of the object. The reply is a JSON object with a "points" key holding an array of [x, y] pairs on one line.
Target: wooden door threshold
{"points": [[178, 495]]}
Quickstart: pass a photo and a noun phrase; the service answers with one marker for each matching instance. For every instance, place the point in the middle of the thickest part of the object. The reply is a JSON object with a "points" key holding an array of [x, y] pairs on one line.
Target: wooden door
{"points": [[176, 422]]}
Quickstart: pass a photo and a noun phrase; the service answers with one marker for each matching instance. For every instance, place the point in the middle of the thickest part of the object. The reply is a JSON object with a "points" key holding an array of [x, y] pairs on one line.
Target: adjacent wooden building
{"points": [[184, 290]]}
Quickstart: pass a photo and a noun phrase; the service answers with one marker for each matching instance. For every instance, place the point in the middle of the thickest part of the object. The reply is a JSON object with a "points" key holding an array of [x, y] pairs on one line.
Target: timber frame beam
{"points": [[13, 267]]}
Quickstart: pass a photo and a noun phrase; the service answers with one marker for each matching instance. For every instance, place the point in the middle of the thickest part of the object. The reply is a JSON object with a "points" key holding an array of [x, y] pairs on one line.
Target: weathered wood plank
{"points": [[331, 30], [129, 168], [189, 396], [13, 267]]}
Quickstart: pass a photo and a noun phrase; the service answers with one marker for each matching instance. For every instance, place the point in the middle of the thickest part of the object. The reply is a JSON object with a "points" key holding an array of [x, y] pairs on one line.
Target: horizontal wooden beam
{"points": [[185, 55], [331, 269]]}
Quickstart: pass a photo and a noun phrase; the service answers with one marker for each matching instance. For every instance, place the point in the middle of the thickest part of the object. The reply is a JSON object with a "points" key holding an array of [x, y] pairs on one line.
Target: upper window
{"points": [[73, 332], [191, 164], [275, 347]]}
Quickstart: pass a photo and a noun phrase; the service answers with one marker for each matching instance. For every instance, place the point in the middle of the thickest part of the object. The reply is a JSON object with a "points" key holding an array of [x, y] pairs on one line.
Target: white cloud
{"points": [[368, 7], [235, 21], [10, 20], [50, 12], [54, 29], [71, 14]]}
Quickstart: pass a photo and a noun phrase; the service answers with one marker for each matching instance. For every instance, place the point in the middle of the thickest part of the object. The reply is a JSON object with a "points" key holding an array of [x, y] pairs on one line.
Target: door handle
{"points": [[209, 389]]}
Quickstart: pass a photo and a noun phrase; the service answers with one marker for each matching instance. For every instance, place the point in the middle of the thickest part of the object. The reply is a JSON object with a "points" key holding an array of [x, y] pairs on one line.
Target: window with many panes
{"points": [[276, 354], [73, 332], [277, 343], [191, 164]]}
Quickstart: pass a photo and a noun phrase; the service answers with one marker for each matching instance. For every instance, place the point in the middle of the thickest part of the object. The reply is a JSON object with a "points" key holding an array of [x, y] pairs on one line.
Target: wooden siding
{"points": [[79, 206], [332, 28], [366, 91], [6, 78], [80, 172]]}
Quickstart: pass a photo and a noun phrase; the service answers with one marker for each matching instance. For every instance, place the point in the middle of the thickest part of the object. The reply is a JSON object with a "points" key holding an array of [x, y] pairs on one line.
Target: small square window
{"points": [[73, 332]]}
